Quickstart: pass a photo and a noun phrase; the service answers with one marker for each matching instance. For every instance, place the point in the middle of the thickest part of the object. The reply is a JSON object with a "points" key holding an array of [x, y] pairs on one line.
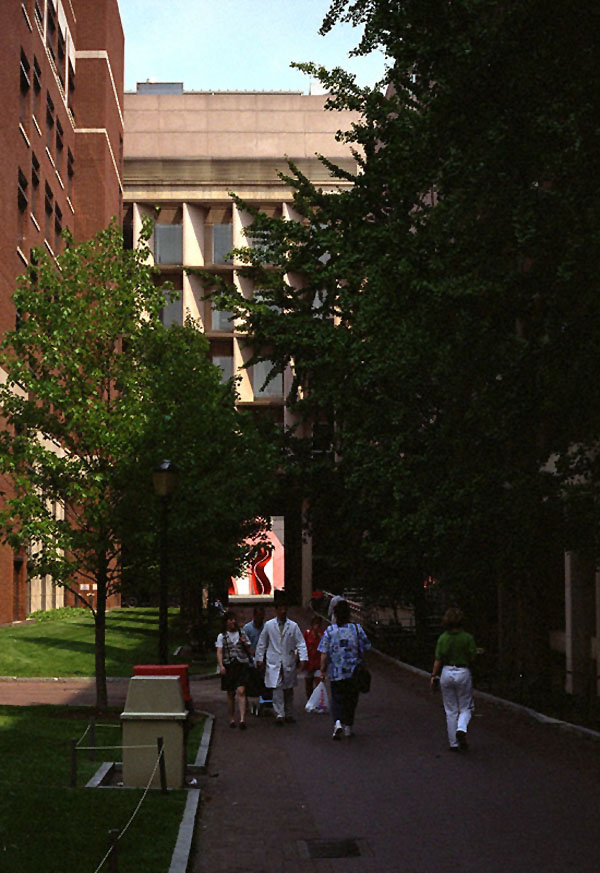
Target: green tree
{"points": [[98, 392], [447, 313]]}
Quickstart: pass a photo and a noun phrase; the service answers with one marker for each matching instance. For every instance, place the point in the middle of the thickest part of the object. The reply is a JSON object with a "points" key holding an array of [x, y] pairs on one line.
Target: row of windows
{"points": [[55, 41], [168, 243], [31, 108], [28, 201], [28, 187]]}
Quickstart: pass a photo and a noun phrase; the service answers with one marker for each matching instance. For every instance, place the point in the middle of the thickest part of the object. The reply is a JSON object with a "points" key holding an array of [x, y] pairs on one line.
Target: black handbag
{"points": [[361, 675]]}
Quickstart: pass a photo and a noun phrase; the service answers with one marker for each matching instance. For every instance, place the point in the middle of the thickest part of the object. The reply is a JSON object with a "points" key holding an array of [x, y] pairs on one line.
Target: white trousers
{"points": [[456, 685]]}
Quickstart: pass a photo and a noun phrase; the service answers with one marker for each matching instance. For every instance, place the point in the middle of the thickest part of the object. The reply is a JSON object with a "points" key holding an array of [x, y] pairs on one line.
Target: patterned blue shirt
{"points": [[344, 645]]}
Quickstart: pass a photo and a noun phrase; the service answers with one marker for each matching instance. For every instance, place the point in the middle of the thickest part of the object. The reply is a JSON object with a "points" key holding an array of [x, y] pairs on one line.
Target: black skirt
{"points": [[236, 674]]}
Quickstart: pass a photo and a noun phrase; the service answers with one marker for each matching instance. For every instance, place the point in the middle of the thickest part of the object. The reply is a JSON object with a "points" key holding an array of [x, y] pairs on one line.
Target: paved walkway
{"points": [[524, 799]]}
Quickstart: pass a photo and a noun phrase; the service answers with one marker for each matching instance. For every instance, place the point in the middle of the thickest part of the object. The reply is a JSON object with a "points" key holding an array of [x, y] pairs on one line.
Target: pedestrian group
{"points": [[261, 661]]}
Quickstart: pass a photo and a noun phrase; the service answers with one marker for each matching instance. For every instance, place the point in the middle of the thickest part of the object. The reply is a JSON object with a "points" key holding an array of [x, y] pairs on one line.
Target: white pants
{"points": [[283, 698], [457, 696]]}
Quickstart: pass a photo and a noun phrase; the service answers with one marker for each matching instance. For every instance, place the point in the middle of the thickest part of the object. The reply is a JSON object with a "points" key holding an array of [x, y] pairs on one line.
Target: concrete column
{"points": [[241, 354], [140, 211], [241, 220], [193, 235], [577, 638], [192, 302]]}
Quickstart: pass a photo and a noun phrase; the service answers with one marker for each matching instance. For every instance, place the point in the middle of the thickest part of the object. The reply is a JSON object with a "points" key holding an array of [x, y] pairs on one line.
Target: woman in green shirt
{"points": [[454, 654]]}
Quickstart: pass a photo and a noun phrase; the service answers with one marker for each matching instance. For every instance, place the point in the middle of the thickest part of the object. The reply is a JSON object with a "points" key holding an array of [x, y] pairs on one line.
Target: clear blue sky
{"points": [[235, 44]]}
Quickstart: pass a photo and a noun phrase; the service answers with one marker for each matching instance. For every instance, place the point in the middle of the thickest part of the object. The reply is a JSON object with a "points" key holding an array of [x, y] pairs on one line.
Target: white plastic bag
{"points": [[318, 700]]}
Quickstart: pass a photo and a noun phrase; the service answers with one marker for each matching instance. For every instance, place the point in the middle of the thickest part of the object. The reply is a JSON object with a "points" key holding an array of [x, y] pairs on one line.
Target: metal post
{"points": [[73, 756], [163, 606], [92, 737], [161, 765]]}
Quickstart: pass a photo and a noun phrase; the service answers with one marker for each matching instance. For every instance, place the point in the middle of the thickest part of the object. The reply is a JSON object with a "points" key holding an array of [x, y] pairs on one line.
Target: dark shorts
{"points": [[237, 674]]}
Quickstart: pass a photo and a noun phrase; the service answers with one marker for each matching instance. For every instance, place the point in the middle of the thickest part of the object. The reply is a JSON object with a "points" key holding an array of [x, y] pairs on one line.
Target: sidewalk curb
{"points": [[183, 847], [501, 701], [204, 747]]}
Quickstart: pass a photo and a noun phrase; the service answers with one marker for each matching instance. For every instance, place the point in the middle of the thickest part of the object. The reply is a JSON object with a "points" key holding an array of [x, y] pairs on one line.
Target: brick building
{"points": [[61, 144]]}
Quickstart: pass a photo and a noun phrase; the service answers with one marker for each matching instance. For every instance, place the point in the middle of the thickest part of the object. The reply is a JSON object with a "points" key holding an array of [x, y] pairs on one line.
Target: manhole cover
{"points": [[333, 848]]}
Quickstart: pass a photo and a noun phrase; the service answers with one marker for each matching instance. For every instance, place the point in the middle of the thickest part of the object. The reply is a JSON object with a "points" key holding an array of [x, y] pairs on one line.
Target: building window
{"points": [[70, 171], [57, 227], [51, 31], [37, 88], [38, 11], [35, 184], [225, 363], [222, 243], [59, 146], [49, 210], [222, 320], [71, 95], [22, 201], [61, 58], [49, 123], [168, 243], [260, 372], [172, 312], [25, 88]]}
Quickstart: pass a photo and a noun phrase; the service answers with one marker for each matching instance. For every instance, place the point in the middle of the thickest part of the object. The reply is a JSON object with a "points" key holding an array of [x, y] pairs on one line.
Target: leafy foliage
{"points": [[442, 315], [98, 393]]}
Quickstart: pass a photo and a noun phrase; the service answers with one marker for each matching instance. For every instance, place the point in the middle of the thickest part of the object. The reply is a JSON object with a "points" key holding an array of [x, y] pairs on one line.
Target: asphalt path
{"points": [[524, 798]]}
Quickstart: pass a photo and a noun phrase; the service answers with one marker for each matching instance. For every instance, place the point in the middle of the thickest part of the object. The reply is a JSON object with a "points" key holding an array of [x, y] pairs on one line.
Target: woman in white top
{"points": [[233, 658]]}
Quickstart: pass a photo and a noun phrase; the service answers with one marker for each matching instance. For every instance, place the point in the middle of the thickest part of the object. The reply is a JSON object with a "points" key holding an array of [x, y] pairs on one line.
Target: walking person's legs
{"points": [[337, 708], [349, 703], [450, 701], [231, 707], [241, 700], [278, 704], [464, 696]]}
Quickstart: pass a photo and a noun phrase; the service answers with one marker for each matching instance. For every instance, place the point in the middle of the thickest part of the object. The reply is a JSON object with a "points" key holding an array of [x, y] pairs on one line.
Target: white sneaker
{"points": [[338, 730], [347, 731]]}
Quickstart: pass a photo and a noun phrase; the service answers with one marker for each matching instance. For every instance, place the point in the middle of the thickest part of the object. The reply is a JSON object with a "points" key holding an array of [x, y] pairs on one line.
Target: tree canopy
{"points": [[98, 393], [442, 315]]}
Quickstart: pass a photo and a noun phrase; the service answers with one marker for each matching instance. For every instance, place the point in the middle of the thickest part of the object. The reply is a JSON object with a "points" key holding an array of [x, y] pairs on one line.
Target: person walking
{"points": [[233, 659], [312, 638], [256, 686], [455, 653], [342, 647], [280, 643], [253, 628]]}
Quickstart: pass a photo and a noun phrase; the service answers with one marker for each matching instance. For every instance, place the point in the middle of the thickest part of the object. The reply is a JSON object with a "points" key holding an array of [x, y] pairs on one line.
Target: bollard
{"points": [[73, 746], [92, 737], [161, 765], [113, 858]]}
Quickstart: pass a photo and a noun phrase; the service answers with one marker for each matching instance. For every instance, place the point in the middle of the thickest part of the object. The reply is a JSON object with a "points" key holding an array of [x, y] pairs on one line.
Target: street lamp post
{"points": [[164, 479]]}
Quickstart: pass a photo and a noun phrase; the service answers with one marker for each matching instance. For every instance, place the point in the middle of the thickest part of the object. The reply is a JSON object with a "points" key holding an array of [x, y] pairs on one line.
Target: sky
{"points": [[235, 44]]}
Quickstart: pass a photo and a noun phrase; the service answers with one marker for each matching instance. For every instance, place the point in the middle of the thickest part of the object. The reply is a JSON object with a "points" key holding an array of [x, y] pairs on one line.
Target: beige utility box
{"points": [[154, 708]]}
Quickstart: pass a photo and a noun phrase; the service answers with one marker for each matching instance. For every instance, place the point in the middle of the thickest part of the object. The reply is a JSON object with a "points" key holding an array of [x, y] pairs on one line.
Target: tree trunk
{"points": [[100, 635]]}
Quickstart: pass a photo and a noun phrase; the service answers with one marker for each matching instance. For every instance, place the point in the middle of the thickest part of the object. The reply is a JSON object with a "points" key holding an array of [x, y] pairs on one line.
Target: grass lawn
{"points": [[45, 825], [63, 644]]}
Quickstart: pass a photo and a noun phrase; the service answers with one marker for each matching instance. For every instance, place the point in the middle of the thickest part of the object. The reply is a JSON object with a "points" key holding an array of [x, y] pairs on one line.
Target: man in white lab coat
{"points": [[281, 639]]}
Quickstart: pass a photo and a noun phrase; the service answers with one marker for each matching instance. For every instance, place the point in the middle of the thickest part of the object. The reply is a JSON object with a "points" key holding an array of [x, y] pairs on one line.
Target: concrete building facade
{"points": [[185, 152], [61, 144]]}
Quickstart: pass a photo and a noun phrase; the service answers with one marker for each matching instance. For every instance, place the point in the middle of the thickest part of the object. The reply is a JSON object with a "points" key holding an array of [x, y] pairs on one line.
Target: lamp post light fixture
{"points": [[164, 479]]}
